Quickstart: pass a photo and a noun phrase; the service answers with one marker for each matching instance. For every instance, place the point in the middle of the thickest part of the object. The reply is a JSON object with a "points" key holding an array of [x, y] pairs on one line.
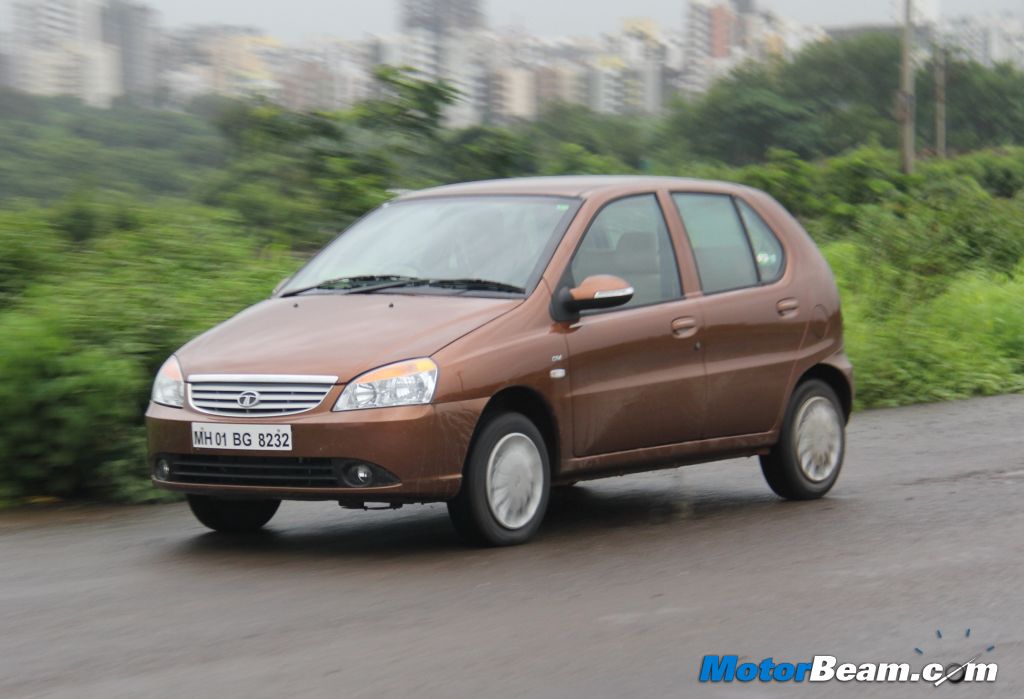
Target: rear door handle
{"points": [[684, 327], [787, 307]]}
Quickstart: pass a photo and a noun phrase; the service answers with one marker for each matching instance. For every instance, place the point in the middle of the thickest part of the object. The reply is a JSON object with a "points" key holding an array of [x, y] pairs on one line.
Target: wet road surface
{"points": [[630, 583]]}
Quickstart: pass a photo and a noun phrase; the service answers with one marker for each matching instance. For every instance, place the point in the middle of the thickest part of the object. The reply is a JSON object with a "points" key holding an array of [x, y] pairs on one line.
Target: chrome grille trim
{"points": [[279, 394], [261, 378]]}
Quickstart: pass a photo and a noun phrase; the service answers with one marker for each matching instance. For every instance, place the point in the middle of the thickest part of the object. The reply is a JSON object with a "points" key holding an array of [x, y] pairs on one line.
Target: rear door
{"points": [[754, 320], [637, 378]]}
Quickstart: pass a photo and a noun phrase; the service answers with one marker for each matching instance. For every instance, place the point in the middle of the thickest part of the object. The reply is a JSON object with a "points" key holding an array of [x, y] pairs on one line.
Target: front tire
{"points": [[506, 484], [232, 516], [806, 462]]}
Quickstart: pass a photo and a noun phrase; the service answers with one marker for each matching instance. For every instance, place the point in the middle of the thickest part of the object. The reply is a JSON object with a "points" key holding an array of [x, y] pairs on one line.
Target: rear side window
{"points": [[630, 240], [768, 251], [719, 241]]}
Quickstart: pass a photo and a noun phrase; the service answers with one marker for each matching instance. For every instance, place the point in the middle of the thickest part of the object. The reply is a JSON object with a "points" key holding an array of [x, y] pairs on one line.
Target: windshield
{"points": [[506, 240]]}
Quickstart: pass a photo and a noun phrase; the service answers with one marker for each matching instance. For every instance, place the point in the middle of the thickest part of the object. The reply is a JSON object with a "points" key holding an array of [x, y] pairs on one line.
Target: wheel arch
{"points": [[836, 380], [528, 402]]}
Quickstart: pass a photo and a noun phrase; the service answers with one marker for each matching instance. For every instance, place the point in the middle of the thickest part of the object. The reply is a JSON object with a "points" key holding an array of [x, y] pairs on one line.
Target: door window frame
{"points": [[734, 199], [564, 282]]}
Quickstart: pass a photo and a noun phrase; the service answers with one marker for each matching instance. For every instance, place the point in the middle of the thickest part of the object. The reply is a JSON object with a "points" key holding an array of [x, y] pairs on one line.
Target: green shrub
{"points": [[30, 247], [866, 175], [80, 346], [1000, 172], [922, 330], [966, 342], [792, 181]]}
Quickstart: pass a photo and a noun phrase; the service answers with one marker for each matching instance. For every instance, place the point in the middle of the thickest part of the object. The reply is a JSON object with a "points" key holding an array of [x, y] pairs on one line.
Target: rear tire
{"points": [[506, 484], [806, 462], [232, 516]]}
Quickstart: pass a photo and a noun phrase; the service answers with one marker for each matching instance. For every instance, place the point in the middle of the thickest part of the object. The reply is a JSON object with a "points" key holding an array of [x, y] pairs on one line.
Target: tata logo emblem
{"points": [[249, 399]]}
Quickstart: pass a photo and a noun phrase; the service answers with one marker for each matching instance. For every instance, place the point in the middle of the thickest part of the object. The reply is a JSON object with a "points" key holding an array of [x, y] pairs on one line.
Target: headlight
{"points": [[404, 383], [169, 387]]}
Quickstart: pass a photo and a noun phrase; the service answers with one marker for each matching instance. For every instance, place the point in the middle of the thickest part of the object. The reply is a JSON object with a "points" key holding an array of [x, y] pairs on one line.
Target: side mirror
{"points": [[597, 293]]}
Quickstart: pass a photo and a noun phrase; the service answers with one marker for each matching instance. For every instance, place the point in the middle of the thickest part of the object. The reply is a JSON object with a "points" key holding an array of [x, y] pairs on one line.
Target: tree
{"points": [[485, 152], [626, 139], [745, 115], [832, 96], [407, 103], [985, 106]]}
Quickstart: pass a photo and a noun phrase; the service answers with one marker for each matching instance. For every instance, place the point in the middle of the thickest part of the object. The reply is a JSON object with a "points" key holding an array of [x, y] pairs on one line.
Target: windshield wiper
{"points": [[369, 283], [361, 283], [476, 285]]}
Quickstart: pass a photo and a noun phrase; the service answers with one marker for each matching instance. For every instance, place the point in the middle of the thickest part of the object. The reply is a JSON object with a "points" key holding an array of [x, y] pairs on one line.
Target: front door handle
{"points": [[787, 307], [684, 327]]}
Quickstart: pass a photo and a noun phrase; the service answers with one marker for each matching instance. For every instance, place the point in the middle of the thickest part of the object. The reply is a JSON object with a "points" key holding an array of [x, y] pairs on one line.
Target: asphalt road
{"points": [[630, 583]]}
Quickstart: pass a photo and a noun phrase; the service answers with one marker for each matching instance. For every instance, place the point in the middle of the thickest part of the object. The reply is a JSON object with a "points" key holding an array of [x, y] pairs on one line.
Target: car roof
{"points": [[581, 186]]}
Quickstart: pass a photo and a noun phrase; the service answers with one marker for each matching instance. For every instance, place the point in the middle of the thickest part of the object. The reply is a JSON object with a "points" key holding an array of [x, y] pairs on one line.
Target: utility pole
{"points": [[907, 96], [940, 97]]}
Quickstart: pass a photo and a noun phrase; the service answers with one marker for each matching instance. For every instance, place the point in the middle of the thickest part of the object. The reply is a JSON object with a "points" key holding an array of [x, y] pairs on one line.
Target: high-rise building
{"points": [[562, 83], [131, 27], [721, 34], [645, 52], [58, 50], [442, 16], [441, 42], [186, 63], [46, 23], [723, 30], [987, 40], [608, 86], [513, 94], [466, 68], [711, 34], [245, 65]]}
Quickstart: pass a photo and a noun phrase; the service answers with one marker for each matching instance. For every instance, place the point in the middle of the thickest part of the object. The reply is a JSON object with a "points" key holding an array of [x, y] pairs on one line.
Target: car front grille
{"points": [[249, 470], [257, 396]]}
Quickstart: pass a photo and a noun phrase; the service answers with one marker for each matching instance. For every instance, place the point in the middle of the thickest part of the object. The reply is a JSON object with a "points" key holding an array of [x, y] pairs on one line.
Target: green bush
{"points": [[866, 175], [30, 247], [1001, 172], [965, 342], [792, 181], [79, 348]]}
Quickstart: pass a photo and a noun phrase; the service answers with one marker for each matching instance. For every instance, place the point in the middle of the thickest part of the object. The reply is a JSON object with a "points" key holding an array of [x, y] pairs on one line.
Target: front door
{"points": [[636, 372]]}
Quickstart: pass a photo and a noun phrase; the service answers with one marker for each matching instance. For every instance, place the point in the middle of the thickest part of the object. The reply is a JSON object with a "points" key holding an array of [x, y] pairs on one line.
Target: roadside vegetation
{"points": [[123, 233]]}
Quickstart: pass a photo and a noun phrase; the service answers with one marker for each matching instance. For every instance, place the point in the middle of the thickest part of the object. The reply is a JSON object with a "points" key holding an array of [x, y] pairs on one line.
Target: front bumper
{"points": [[424, 447]]}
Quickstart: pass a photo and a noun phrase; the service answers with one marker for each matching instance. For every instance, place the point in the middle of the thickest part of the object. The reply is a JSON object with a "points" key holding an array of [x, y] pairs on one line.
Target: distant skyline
{"points": [[297, 19]]}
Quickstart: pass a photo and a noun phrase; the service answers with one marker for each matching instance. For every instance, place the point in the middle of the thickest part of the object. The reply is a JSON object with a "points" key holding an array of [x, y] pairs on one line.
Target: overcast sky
{"points": [[294, 19]]}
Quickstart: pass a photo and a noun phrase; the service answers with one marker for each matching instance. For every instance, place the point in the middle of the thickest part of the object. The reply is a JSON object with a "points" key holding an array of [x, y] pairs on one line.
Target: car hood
{"points": [[336, 334]]}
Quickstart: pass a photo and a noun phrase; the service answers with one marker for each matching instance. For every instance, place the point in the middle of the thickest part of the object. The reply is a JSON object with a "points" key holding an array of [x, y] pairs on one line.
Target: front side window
{"points": [[629, 239], [724, 258], [503, 239]]}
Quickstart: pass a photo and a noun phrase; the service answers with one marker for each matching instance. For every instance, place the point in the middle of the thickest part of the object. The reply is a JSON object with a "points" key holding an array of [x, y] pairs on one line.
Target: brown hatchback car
{"points": [[481, 343]]}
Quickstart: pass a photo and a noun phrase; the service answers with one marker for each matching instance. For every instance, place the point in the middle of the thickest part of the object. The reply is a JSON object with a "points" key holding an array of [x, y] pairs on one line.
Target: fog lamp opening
{"points": [[163, 469], [360, 474]]}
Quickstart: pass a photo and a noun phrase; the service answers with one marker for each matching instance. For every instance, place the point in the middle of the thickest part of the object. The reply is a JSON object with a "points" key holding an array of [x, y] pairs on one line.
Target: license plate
{"points": [[206, 435]]}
